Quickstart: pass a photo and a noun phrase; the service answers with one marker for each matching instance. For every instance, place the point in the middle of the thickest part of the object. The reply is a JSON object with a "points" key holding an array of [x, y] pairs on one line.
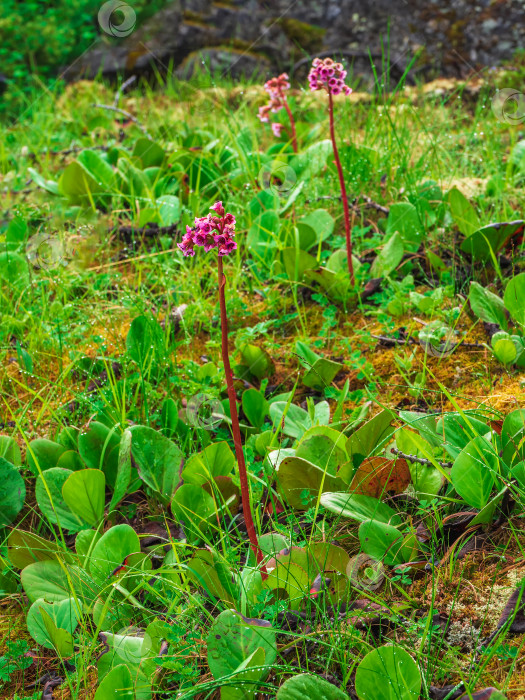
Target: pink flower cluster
{"points": [[328, 75], [276, 87], [212, 231]]}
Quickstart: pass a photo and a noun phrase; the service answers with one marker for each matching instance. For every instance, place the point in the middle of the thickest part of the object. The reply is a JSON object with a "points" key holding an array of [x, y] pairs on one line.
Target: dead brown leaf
{"points": [[377, 476]]}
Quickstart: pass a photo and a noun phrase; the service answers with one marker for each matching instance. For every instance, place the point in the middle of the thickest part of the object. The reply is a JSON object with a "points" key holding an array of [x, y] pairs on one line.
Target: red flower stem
{"points": [[245, 492], [292, 122], [343, 191]]}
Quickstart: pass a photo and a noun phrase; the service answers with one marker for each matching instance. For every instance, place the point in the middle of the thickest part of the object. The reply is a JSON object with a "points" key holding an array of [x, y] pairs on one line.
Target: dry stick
{"points": [[125, 85], [419, 460], [128, 115], [245, 491], [410, 340], [343, 191], [369, 203]]}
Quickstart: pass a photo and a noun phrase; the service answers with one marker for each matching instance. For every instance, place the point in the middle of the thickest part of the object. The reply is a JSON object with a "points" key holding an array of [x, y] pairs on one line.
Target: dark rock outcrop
{"points": [[241, 37]]}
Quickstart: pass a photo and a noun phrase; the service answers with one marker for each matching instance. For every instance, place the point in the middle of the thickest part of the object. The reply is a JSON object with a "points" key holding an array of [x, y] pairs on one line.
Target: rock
{"points": [[244, 37], [223, 62]]}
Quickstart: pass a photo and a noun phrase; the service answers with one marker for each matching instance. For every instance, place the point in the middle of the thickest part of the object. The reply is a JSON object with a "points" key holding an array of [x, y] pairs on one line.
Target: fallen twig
{"points": [[388, 341], [420, 460], [128, 115], [122, 89], [370, 204], [148, 231]]}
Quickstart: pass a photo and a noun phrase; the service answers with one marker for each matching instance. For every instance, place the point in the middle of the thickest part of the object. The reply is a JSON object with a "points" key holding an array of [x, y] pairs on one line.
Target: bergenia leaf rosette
{"points": [[217, 230], [329, 76], [276, 89]]}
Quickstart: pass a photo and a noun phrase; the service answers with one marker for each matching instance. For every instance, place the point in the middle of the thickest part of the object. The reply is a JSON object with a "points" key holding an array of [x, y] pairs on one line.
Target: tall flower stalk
{"points": [[217, 231], [277, 88], [330, 76]]}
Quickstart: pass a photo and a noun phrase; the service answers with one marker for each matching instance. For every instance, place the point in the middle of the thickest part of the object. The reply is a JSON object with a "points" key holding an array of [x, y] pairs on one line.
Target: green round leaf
{"points": [[215, 460], [71, 460], [169, 209], [308, 687], [514, 298], [255, 407], [513, 437], [504, 350], [116, 685], [149, 152], [25, 548], [9, 450], [12, 492], [111, 551], [205, 571], [389, 256], [300, 482], [85, 540], [388, 673], [292, 579], [474, 472], [488, 306], [321, 221], [386, 543], [360, 508], [324, 447], [194, 507], [95, 445], [233, 638], [44, 454], [48, 492], [123, 476], [46, 579], [158, 459], [65, 614], [84, 494], [404, 219]]}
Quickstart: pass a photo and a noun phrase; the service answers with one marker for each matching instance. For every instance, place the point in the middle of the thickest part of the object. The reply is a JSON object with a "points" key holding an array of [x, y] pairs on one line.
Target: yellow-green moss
{"points": [[308, 36], [197, 22], [195, 17]]}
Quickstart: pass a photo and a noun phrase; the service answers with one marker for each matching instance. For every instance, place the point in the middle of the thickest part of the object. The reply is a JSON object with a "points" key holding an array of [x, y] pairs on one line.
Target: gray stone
{"points": [[244, 37], [223, 62]]}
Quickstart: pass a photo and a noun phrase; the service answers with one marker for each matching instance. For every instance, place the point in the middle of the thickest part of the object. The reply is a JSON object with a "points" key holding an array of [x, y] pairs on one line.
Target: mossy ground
{"points": [[430, 134]]}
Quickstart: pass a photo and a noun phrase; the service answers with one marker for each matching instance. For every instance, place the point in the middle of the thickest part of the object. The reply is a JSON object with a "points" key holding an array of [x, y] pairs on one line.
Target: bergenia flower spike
{"points": [[330, 76], [217, 230], [277, 88], [212, 231]]}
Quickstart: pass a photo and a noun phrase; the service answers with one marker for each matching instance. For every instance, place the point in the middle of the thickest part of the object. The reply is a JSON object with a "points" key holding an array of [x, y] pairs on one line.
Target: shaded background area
{"points": [[79, 38]]}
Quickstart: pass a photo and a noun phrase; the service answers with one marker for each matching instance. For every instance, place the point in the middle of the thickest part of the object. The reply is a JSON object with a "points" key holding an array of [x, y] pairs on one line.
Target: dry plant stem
{"points": [[344, 196], [245, 492], [420, 460], [129, 116], [292, 123]]}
